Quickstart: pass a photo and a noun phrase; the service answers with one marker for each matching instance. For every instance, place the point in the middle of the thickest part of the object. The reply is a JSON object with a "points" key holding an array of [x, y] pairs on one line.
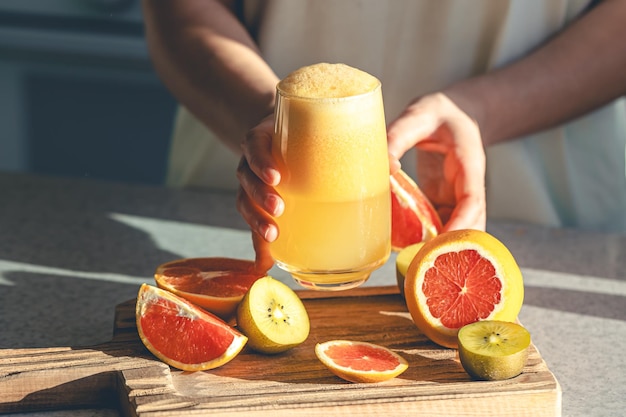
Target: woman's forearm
{"points": [[208, 61], [579, 70]]}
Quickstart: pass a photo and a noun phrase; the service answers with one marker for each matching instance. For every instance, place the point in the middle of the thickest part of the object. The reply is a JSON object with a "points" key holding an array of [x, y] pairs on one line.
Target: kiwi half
{"points": [[493, 350], [272, 316], [403, 260]]}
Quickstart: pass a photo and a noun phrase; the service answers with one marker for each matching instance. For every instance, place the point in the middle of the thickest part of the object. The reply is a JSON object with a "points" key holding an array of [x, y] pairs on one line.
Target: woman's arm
{"points": [[579, 70], [209, 62]]}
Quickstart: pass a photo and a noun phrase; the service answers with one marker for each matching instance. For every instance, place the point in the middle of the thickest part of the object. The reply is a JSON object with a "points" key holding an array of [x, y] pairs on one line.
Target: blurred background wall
{"points": [[78, 95]]}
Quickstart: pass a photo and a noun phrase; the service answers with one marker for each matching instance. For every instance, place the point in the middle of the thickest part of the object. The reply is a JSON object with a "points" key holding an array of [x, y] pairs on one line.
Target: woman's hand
{"points": [[257, 199], [451, 158]]}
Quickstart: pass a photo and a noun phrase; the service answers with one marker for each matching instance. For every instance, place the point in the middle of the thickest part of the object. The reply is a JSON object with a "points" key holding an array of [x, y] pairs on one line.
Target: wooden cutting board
{"points": [[123, 374]]}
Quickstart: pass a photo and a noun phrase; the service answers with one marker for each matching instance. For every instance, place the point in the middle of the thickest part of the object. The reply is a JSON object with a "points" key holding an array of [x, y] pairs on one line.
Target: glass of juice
{"points": [[330, 142]]}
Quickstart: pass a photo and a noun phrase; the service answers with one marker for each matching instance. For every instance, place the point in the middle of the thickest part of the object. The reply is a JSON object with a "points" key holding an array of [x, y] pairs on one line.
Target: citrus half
{"points": [[182, 335], [460, 277], [215, 284], [413, 217], [360, 361]]}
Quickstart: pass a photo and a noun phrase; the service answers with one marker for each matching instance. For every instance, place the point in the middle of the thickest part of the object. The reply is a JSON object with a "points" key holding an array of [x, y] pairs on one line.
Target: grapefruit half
{"points": [[460, 277], [215, 284], [413, 217], [360, 361], [183, 335]]}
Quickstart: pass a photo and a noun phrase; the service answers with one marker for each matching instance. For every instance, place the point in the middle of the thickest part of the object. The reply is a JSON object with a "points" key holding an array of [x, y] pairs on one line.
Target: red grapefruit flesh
{"points": [[360, 361], [458, 278], [471, 278], [215, 284], [413, 217], [183, 335]]}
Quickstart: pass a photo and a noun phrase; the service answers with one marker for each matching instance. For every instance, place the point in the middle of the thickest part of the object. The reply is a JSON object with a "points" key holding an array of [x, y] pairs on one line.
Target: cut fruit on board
{"points": [[273, 317], [215, 284], [294, 384], [183, 335], [460, 277], [360, 361], [493, 350], [413, 217]]}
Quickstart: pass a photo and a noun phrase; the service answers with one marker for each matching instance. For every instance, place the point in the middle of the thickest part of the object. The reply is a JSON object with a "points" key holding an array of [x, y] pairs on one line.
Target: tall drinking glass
{"points": [[331, 145]]}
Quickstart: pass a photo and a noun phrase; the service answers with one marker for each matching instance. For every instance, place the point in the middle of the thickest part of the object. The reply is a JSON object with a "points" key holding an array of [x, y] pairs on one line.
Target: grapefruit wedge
{"points": [[215, 284], [460, 277], [413, 217], [183, 335], [360, 361]]}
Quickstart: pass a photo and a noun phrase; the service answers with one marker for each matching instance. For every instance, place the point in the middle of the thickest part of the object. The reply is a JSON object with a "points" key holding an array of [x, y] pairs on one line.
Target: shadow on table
{"points": [[570, 251], [69, 224], [607, 306], [70, 250], [42, 310]]}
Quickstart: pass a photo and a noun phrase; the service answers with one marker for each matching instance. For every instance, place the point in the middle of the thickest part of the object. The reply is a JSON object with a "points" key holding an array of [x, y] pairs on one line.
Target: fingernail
{"points": [[269, 232], [274, 205], [394, 163], [271, 176]]}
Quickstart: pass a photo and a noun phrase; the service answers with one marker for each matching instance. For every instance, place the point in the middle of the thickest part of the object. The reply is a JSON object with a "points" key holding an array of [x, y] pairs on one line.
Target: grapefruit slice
{"points": [[360, 361], [215, 284], [413, 217], [460, 277], [183, 335]]}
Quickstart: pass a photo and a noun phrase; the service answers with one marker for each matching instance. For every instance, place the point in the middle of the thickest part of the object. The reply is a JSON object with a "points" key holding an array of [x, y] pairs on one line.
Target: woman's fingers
{"points": [[258, 203], [416, 124], [261, 196], [257, 151], [469, 165], [257, 200], [451, 158], [469, 213], [263, 230], [263, 260]]}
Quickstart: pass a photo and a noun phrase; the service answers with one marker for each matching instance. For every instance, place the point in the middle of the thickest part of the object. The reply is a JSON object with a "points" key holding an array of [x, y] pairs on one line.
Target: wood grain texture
{"points": [[290, 384]]}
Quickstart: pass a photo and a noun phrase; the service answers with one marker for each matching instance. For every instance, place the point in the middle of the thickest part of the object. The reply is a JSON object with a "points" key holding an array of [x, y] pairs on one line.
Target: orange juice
{"points": [[331, 143]]}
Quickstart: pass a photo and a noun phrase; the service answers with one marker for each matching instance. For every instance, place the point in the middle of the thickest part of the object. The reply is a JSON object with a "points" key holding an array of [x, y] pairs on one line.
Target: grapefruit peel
{"points": [[184, 336], [426, 285], [216, 284], [376, 363], [413, 217]]}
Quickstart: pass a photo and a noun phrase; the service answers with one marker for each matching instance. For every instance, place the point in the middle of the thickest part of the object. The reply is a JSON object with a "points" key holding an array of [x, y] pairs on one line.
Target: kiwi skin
{"points": [[507, 368], [495, 367]]}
